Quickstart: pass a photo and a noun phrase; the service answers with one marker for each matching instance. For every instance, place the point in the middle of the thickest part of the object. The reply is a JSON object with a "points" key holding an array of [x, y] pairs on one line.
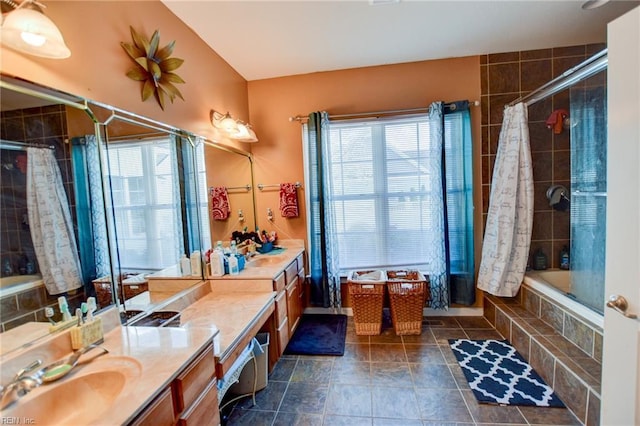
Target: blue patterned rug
{"points": [[497, 374]]}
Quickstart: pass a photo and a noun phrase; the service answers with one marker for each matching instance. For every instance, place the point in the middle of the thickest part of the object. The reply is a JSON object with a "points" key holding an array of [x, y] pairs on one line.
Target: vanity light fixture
{"points": [[233, 129], [246, 133], [28, 30]]}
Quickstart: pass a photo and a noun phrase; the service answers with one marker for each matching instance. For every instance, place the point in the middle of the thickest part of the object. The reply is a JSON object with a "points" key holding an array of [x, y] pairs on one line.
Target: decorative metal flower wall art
{"points": [[154, 67]]}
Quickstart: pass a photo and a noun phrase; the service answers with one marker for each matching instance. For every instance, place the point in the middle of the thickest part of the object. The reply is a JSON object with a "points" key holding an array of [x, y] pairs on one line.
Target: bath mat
{"points": [[497, 374], [319, 334]]}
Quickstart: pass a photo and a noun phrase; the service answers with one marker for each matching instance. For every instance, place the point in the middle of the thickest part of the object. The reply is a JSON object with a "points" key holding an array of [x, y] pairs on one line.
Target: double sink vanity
{"points": [[169, 374]]}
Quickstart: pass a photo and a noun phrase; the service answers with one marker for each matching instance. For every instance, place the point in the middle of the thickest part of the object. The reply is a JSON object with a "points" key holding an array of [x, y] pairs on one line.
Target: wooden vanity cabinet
{"points": [[191, 399], [289, 287], [159, 413]]}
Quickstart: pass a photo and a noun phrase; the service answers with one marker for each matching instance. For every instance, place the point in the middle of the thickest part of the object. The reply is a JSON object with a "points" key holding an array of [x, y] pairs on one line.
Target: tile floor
{"points": [[385, 380]]}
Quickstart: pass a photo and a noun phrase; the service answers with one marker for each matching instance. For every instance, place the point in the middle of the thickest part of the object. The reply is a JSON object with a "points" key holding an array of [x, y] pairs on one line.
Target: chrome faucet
{"points": [[20, 385]]}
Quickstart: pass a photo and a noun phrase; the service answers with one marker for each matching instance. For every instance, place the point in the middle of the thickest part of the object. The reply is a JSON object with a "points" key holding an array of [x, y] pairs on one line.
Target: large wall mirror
{"points": [[137, 198]]}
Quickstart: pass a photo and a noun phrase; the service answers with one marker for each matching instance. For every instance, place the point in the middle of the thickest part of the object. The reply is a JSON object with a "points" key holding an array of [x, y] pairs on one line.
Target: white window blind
{"points": [[381, 186], [144, 183]]}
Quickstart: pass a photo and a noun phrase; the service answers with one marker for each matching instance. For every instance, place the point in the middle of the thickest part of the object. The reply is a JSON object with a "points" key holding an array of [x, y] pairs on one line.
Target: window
{"points": [[383, 177], [146, 203]]}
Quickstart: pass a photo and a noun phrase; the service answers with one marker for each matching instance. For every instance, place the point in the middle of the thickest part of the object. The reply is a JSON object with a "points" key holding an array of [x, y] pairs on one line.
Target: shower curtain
{"points": [[50, 223], [507, 237]]}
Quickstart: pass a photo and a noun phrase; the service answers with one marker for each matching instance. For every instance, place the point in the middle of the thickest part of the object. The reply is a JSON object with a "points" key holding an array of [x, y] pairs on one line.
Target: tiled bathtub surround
{"points": [[504, 78], [28, 305], [564, 349]]}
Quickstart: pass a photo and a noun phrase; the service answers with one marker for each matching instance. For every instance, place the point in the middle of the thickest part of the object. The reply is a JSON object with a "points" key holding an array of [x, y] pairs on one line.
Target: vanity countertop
{"points": [[234, 308], [278, 261]]}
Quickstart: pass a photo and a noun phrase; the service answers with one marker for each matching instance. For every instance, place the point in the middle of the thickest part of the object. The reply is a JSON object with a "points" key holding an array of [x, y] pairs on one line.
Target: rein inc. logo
{"points": [[15, 420]]}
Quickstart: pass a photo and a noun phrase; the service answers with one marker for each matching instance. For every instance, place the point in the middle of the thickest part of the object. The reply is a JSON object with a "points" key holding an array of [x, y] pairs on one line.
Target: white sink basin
{"points": [[82, 397]]}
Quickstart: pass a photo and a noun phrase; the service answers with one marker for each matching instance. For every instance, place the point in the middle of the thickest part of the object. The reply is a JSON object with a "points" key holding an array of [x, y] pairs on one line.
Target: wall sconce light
{"points": [[234, 129], [28, 30]]}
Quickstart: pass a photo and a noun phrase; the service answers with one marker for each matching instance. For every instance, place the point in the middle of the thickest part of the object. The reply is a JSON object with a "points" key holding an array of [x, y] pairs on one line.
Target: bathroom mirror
{"points": [[37, 119], [73, 120]]}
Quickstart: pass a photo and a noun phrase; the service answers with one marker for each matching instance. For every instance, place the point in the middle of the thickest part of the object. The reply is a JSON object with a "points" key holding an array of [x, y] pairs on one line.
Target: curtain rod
{"points": [[19, 146], [583, 70], [377, 113]]}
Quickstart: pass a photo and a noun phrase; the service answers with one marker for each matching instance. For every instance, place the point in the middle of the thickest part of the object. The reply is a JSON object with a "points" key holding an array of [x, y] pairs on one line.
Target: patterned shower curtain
{"points": [[505, 249], [50, 223]]}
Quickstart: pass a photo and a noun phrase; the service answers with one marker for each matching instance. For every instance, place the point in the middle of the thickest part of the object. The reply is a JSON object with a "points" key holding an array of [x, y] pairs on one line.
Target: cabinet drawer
{"points": [[302, 288], [279, 283], [283, 336], [205, 410], [159, 412], [300, 261], [281, 308], [194, 379], [291, 272], [293, 304]]}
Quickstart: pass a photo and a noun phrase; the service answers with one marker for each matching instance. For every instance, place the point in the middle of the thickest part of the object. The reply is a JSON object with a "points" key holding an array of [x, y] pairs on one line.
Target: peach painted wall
{"points": [[96, 69], [278, 154]]}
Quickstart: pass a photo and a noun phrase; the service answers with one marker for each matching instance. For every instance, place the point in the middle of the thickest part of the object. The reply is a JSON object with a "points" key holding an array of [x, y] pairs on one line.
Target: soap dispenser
{"points": [[539, 260]]}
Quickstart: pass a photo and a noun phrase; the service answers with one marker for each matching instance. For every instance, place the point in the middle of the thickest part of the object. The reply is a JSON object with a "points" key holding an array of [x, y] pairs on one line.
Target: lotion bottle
{"points": [[217, 263], [196, 263], [185, 266]]}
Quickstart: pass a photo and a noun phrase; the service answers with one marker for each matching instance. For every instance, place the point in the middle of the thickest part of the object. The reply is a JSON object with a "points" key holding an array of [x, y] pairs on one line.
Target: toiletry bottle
{"points": [[185, 266], [196, 263], [7, 269], [564, 258], [217, 264], [539, 260], [233, 265]]}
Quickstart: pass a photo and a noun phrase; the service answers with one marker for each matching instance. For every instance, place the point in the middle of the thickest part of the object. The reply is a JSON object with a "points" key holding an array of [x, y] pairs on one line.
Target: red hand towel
{"points": [[288, 200], [220, 203]]}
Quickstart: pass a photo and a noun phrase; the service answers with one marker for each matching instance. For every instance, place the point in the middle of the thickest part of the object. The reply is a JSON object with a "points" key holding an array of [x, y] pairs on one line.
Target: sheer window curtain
{"points": [[323, 249]]}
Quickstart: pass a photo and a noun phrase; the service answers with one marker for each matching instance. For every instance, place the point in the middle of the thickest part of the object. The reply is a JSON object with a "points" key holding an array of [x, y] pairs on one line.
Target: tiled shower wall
{"points": [[505, 77], [46, 126]]}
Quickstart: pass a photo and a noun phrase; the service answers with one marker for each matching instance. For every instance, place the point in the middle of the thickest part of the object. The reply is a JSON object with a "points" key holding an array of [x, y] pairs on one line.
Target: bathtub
{"points": [[18, 283], [556, 285]]}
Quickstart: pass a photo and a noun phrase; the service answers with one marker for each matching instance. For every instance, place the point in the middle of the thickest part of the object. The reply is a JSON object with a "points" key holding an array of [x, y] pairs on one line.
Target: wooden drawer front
{"points": [[205, 410], [279, 283], [300, 261], [281, 308], [293, 304], [159, 412], [291, 272], [283, 336], [301, 291], [194, 379]]}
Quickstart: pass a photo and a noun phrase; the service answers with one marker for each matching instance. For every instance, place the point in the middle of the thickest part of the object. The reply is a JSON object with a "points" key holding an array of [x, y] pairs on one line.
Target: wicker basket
{"points": [[366, 291], [407, 294]]}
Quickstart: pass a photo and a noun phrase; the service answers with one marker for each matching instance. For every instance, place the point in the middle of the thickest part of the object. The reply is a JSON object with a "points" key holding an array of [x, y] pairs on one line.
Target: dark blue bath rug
{"points": [[497, 374], [319, 334]]}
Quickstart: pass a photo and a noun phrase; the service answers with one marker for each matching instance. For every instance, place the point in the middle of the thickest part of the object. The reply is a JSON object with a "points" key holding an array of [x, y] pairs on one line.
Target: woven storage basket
{"points": [[366, 291], [407, 295]]}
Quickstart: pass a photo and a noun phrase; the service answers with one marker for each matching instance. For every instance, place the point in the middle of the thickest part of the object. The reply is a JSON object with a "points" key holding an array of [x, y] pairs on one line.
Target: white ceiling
{"points": [[265, 39]]}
